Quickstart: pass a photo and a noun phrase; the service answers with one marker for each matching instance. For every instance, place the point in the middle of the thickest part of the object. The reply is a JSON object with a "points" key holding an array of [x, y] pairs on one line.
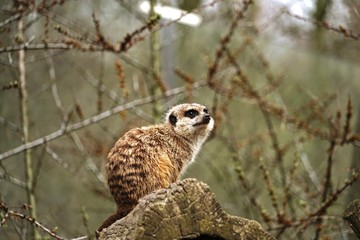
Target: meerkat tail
{"points": [[111, 219]]}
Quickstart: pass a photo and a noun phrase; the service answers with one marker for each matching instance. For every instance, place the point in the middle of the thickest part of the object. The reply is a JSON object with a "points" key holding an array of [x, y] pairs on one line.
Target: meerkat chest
{"points": [[191, 157]]}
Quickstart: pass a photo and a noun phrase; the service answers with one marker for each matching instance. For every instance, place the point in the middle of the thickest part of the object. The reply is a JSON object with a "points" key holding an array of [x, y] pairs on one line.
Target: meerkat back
{"points": [[149, 158]]}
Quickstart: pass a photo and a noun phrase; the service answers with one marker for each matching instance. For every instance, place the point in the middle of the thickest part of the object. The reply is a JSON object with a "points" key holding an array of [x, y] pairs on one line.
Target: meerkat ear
{"points": [[172, 120]]}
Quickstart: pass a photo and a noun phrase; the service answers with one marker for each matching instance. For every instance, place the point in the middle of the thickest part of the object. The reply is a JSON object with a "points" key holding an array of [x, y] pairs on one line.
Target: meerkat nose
{"points": [[207, 118]]}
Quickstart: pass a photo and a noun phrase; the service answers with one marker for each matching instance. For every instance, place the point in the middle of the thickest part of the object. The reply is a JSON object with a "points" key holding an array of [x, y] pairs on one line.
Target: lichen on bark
{"points": [[185, 210]]}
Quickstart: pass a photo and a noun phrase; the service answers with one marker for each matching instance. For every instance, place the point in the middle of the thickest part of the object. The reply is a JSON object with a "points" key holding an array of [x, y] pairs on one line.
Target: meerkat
{"points": [[149, 158]]}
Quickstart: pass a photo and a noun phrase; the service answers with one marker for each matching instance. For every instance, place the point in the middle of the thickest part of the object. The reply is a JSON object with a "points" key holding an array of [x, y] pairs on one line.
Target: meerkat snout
{"points": [[206, 120]]}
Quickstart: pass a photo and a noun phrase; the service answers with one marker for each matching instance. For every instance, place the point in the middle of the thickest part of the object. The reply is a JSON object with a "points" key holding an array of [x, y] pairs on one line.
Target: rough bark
{"points": [[185, 210], [352, 216]]}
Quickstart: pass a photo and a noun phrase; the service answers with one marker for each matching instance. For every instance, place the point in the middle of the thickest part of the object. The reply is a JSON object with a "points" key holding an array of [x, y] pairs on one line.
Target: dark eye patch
{"points": [[191, 113], [172, 120], [206, 110]]}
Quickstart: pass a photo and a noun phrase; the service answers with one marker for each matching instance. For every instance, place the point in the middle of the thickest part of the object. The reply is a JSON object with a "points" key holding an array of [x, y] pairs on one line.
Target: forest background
{"points": [[281, 79]]}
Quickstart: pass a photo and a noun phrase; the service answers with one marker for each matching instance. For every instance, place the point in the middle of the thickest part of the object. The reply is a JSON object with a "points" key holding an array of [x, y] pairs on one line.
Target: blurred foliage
{"points": [[253, 59]]}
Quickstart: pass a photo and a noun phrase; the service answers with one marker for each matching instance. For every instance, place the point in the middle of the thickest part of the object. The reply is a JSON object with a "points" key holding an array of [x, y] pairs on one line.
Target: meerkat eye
{"points": [[172, 120], [206, 110], [191, 113]]}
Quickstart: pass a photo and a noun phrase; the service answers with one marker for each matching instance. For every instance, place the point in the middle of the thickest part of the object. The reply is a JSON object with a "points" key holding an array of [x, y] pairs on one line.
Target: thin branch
{"points": [[275, 145], [340, 29], [242, 176], [74, 136], [80, 238], [31, 220], [100, 44], [347, 125], [300, 149], [10, 85], [5, 176], [23, 95], [334, 196], [225, 40], [14, 18], [94, 119], [91, 166], [39, 46], [270, 189], [110, 93], [54, 89], [56, 157], [157, 86], [328, 176], [13, 127], [80, 33], [326, 187]]}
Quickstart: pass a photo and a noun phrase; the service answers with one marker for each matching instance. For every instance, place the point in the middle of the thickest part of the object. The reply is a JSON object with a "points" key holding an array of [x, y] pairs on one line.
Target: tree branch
{"points": [[23, 95], [89, 121]]}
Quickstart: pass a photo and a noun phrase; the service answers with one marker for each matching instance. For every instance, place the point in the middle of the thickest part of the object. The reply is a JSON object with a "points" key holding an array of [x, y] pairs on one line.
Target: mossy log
{"points": [[185, 210]]}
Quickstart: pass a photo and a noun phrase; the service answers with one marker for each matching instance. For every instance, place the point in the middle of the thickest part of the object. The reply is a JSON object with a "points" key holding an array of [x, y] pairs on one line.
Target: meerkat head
{"points": [[190, 120]]}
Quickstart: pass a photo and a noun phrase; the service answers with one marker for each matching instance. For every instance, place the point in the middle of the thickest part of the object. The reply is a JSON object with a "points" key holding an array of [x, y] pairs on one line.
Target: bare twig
{"points": [[23, 95], [340, 29], [13, 127], [300, 150], [157, 85], [76, 126], [225, 40], [334, 196], [326, 187], [11, 19], [270, 189], [41, 46], [4, 175], [346, 130], [74, 136], [11, 85], [74, 44], [91, 166], [242, 176], [110, 93], [328, 176], [33, 221], [56, 157]]}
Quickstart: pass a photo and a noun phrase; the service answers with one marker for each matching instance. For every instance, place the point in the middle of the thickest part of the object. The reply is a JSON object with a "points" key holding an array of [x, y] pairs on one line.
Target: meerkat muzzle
{"points": [[206, 119]]}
